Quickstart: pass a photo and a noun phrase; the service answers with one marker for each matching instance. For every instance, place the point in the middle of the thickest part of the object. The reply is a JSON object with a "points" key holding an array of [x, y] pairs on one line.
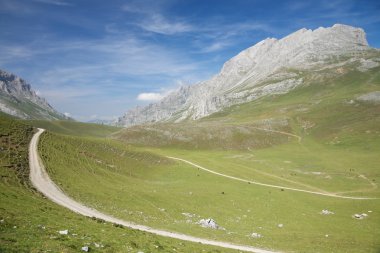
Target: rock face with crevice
{"points": [[270, 67], [17, 98]]}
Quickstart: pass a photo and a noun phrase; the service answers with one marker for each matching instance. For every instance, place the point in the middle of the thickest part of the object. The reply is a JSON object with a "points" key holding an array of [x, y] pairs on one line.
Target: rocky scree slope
{"points": [[270, 67], [17, 98]]}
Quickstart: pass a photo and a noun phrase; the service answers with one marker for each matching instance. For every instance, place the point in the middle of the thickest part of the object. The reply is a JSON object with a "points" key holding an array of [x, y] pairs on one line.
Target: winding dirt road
{"points": [[42, 182], [267, 185]]}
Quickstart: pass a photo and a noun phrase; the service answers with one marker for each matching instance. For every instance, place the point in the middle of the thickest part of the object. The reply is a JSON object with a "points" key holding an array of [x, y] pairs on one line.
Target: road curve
{"points": [[42, 182], [267, 185]]}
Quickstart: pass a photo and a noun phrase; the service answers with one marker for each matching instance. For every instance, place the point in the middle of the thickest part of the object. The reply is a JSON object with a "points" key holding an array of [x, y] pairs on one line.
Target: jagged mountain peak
{"points": [[241, 78], [19, 99]]}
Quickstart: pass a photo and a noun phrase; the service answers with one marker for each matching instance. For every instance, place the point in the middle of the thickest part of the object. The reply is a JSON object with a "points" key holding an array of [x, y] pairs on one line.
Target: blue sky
{"points": [[97, 59]]}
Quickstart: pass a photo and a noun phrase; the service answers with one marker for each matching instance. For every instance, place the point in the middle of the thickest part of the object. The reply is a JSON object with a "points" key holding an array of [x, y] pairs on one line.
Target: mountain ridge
{"points": [[17, 98], [268, 67]]}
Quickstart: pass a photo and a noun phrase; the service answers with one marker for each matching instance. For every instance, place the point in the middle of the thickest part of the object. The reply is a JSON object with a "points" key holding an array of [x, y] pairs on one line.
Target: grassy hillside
{"points": [[206, 135], [31, 223], [75, 128], [326, 108], [320, 137], [145, 187]]}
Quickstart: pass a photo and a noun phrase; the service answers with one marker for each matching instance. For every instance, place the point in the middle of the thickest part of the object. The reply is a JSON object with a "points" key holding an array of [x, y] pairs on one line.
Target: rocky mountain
{"points": [[270, 67], [17, 98]]}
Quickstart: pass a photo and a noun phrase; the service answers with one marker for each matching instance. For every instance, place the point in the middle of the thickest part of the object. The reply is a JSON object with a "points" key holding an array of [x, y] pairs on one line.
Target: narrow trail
{"points": [[42, 182], [299, 138], [268, 185]]}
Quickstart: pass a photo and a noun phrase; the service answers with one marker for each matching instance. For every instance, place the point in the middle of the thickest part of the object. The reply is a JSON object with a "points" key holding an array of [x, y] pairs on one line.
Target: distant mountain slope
{"points": [[270, 67], [17, 98], [338, 106], [103, 122]]}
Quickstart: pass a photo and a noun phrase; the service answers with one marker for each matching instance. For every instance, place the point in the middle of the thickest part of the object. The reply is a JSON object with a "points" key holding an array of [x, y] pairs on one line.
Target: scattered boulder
{"points": [[85, 249], [256, 235], [360, 216], [326, 212], [64, 232], [189, 215], [208, 223], [280, 225]]}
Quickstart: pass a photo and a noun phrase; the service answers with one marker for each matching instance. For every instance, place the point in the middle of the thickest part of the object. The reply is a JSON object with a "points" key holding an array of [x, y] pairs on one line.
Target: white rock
{"points": [[326, 212], [367, 64], [360, 216], [85, 249], [64, 232], [370, 97], [256, 235], [280, 225], [208, 223]]}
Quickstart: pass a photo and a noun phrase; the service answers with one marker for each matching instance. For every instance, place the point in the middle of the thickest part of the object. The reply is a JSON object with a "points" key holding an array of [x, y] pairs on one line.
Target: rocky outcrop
{"points": [[19, 99], [269, 67]]}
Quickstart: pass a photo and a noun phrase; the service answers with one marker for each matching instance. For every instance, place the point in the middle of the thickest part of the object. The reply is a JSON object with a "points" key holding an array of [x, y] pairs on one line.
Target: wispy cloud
{"points": [[158, 24], [55, 2], [15, 7], [152, 19], [216, 46]]}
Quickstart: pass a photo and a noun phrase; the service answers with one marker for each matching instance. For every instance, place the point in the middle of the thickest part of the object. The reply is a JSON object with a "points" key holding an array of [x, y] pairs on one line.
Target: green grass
{"points": [[30, 223], [75, 128], [141, 186]]}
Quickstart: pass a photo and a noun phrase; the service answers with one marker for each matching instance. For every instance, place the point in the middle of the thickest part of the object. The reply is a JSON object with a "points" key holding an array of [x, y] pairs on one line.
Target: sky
{"points": [[95, 59]]}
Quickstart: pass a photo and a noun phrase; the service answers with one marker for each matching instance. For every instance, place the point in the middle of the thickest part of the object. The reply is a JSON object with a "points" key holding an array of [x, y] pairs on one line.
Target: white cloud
{"points": [[215, 47], [67, 114], [54, 2], [150, 96]]}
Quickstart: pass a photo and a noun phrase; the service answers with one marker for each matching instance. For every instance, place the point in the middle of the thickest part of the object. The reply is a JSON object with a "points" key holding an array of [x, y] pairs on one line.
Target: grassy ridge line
{"points": [[75, 128], [45, 185], [299, 138], [268, 185]]}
